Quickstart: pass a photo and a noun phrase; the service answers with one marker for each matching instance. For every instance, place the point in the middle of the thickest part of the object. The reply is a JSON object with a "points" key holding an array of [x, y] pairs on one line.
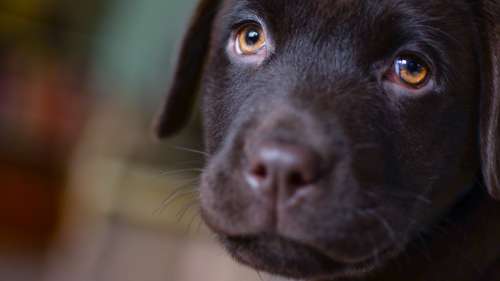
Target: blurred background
{"points": [[86, 193]]}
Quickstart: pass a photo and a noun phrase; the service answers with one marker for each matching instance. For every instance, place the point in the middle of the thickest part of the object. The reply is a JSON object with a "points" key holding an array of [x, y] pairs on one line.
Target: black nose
{"points": [[280, 169]]}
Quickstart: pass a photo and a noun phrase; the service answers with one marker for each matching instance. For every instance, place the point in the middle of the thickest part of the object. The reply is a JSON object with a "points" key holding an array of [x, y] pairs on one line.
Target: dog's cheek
{"points": [[436, 139]]}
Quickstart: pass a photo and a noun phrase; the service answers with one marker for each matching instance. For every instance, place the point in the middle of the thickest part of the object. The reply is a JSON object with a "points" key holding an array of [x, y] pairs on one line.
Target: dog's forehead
{"points": [[317, 14], [337, 8]]}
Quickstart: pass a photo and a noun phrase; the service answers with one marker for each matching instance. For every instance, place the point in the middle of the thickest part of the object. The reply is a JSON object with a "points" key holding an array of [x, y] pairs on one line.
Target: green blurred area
{"points": [[135, 46], [87, 194]]}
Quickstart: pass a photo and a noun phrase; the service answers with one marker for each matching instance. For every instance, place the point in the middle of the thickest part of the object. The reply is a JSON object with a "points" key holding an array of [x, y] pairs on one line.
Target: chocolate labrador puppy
{"points": [[348, 139]]}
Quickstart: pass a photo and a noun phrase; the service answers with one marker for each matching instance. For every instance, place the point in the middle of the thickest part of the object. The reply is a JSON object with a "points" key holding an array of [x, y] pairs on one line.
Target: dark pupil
{"points": [[413, 67], [252, 37]]}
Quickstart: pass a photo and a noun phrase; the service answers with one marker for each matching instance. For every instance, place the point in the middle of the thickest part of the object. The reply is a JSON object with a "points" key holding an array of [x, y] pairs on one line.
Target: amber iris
{"points": [[412, 71], [250, 39]]}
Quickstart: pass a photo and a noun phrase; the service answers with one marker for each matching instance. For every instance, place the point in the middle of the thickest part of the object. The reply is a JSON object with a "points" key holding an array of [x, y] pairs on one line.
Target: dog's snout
{"points": [[278, 169]]}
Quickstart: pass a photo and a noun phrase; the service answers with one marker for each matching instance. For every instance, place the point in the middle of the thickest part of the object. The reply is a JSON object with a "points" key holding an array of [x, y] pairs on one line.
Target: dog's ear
{"points": [[181, 96], [490, 100]]}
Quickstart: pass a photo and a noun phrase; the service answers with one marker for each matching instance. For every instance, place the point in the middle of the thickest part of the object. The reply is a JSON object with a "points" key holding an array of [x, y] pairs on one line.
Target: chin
{"points": [[292, 259]]}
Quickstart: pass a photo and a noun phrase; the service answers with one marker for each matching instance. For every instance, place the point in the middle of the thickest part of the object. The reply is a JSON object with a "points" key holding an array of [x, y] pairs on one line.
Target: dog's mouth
{"points": [[283, 256]]}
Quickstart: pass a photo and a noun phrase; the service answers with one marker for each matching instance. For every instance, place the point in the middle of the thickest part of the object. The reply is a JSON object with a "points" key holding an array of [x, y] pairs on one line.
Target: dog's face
{"points": [[337, 130]]}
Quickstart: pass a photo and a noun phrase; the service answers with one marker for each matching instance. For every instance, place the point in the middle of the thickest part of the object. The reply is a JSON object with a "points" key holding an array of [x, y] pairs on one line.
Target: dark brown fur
{"points": [[406, 181]]}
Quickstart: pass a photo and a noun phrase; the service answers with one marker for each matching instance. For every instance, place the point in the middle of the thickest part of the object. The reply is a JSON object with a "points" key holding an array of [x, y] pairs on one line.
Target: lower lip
{"points": [[325, 265]]}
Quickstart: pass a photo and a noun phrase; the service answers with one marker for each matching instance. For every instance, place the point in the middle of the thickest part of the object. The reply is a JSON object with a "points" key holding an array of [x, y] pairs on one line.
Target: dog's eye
{"points": [[250, 39], [412, 71]]}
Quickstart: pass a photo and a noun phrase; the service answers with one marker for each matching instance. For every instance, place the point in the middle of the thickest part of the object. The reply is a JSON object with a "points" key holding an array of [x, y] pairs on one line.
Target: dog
{"points": [[348, 139]]}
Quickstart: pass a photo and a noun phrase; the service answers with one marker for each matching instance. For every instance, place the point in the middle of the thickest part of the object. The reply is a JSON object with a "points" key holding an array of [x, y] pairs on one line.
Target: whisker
{"points": [[173, 198], [199, 161], [425, 249], [198, 228], [180, 214], [178, 196], [187, 183], [376, 250], [181, 171], [390, 231], [400, 195], [159, 174], [195, 215], [195, 151], [176, 193], [260, 275]]}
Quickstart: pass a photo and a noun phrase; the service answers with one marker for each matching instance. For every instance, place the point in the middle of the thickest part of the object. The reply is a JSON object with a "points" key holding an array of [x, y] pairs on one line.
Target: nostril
{"points": [[260, 172], [281, 168], [296, 179], [258, 175]]}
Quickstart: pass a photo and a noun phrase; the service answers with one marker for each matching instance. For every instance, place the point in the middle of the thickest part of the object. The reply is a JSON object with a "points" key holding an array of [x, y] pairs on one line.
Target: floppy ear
{"points": [[181, 96], [490, 100]]}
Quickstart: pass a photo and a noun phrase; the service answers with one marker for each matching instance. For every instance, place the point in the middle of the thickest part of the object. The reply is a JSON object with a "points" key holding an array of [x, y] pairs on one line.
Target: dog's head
{"points": [[338, 130]]}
